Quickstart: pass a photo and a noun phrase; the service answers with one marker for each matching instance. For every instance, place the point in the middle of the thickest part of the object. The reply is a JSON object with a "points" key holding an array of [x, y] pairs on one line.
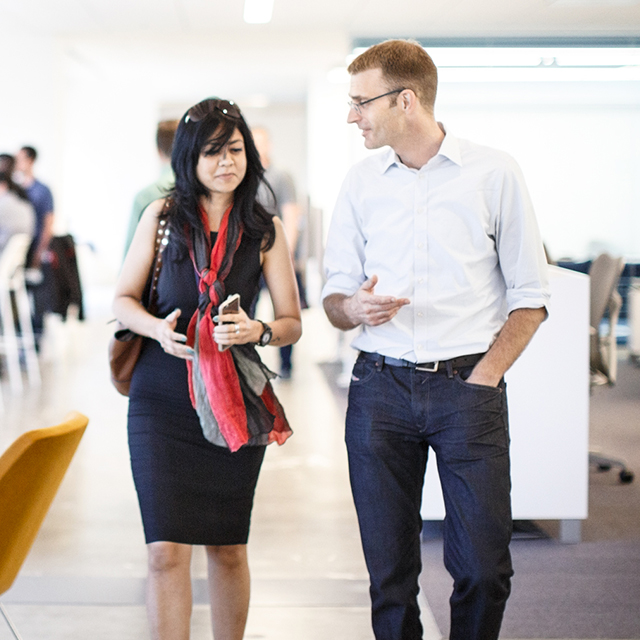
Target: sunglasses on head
{"points": [[206, 107]]}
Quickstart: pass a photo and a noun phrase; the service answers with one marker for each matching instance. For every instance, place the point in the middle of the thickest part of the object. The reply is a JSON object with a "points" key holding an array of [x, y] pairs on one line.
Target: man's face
{"points": [[23, 162], [379, 122]]}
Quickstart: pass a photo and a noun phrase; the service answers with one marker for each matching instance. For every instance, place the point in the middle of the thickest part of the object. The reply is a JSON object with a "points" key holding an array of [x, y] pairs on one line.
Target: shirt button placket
{"points": [[421, 266]]}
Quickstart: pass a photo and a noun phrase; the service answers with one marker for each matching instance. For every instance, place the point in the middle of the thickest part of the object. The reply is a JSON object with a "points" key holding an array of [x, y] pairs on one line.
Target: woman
{"points": [[195, 488]]}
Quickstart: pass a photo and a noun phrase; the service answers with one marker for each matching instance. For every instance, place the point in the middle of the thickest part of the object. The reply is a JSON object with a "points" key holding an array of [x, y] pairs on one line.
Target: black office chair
{"points": [[605, 273]]}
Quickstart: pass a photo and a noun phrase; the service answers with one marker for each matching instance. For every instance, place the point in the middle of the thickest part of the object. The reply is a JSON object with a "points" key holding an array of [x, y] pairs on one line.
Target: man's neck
{"points": [[27, 180], [420, 144]]}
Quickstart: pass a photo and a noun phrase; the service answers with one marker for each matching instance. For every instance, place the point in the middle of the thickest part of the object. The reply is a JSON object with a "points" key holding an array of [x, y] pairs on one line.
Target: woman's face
{"points": [[223, 171]]}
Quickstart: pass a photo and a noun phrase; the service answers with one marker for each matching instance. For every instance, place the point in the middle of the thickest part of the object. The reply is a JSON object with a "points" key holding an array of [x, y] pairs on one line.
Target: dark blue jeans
{"points": [[395, 414]]}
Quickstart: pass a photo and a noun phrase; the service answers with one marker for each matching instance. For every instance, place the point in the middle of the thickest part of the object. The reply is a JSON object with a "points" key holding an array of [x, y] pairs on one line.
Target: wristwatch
{"points": [[266, 336]]}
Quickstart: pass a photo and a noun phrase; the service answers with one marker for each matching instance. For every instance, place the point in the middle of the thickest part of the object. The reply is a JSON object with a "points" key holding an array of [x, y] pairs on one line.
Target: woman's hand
{"points": [[236, 328], [173, 343]]}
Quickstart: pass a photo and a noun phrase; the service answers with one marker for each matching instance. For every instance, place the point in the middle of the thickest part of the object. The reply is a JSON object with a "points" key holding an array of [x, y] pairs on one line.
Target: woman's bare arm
{"points": [[130, 286]]}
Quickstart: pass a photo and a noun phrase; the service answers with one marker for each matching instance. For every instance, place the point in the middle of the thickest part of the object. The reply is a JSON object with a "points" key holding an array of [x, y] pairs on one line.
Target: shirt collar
{"points": [[450, 149]]}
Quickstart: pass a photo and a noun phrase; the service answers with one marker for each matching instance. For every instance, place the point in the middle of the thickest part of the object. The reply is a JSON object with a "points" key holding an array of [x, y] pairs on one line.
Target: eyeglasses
{"points": [[206, 107], [357, 106]]}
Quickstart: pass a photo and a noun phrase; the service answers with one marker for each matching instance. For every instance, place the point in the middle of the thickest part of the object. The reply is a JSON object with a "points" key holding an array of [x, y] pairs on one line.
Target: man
{"points": [[164, 142], [284, 204], [16, 214], [434, 252], [42, 200]]}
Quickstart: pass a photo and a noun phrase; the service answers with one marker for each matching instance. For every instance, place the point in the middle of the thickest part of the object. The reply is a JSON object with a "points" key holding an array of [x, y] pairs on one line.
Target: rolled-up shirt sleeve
{"points": [[519, 246], [344, 256]]}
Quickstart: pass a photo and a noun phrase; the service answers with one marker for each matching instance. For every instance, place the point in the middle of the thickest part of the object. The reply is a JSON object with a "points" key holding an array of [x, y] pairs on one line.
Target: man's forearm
{"points": [[363, 307], [44, 242], [335, 308], [512, 340]]}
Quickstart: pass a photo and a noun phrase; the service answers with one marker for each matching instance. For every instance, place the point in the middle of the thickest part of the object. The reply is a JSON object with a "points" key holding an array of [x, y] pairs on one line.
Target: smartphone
{"points": [[230, 305]]}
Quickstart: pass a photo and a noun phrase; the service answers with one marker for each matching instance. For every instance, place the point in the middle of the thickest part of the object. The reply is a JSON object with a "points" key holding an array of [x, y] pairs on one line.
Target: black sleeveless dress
{"points": [[189, 490]]}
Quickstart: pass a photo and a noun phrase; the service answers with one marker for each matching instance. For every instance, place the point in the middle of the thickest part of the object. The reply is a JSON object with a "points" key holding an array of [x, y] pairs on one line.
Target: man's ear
{"points": [[408, 100]]}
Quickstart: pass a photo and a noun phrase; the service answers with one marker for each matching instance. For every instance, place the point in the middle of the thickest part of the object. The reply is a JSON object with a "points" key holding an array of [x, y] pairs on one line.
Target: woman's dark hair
{"points": [[7, 165], [207, 118]]}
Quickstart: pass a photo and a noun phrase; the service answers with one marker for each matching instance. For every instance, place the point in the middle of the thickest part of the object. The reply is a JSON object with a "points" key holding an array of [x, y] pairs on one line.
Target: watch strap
{"points": [[265, 329]]}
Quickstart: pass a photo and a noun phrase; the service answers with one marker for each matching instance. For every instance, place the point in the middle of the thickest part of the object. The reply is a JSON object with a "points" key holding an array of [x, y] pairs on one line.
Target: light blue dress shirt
{"points": [[457, 237]]}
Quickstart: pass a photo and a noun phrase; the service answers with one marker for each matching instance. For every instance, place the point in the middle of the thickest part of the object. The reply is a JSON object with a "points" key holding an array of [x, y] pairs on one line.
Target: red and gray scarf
{"points": [[230, 390]]}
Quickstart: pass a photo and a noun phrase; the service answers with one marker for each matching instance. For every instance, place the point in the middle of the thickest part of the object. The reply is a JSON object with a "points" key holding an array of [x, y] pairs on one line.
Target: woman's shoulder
{"points": [[277, 223], [157, 207], [278, 232]]}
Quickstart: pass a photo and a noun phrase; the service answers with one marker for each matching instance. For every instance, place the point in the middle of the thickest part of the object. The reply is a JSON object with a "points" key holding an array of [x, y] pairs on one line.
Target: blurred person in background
{"points": [[16, 214], [8, 166], [282, 201], [160, 188], [42, 200]]}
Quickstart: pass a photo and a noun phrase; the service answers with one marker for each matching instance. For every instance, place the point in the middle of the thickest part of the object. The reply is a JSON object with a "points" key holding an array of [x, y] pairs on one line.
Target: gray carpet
{"points": [[589, 590]]}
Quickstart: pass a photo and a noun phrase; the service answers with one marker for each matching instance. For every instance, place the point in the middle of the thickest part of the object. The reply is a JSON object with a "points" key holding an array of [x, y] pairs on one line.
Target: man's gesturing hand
{"points": [[365, 307]]}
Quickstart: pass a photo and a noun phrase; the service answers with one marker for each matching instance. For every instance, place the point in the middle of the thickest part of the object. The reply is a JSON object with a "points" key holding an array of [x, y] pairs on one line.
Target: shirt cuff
{"points": [[339, 285], [527, 299]]}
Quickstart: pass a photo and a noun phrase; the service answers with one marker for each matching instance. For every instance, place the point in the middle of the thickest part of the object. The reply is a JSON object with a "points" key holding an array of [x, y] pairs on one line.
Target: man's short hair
{"points": [[404, 64], [5, 178], [31, 153], [165, 135]]}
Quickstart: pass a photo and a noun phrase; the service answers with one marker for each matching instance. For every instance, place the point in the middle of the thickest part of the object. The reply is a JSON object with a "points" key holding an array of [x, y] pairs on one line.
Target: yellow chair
{"points": [[31, 471]]}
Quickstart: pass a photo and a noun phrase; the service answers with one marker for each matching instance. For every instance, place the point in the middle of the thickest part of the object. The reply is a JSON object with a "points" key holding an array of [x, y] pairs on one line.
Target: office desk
{"points": [[548, 396]]}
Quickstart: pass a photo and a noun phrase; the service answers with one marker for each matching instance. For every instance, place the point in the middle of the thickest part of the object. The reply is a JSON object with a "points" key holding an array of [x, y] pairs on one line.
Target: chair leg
{"points": [[27, 339], [605, 463], [10, 342], [13, 628]]}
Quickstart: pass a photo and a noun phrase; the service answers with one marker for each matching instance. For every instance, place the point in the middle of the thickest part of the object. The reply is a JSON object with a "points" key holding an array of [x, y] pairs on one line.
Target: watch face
{"points": [[265, 338]]}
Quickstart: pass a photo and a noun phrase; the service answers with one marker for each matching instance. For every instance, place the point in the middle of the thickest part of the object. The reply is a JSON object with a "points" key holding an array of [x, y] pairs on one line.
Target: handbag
{"points": [[125, 345]]}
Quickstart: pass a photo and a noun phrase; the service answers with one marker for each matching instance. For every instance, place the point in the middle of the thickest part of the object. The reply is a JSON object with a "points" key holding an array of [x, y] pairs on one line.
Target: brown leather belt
{"points": [[431, 367]]}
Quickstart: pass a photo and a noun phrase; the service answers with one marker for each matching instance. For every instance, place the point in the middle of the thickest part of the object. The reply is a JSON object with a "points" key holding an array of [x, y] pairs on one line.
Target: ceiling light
{"points": [[258, 11]]}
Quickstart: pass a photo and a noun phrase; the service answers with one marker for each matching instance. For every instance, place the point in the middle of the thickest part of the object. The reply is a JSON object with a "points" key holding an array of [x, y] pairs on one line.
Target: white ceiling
{"points": [[359, 18], [179, 50]]}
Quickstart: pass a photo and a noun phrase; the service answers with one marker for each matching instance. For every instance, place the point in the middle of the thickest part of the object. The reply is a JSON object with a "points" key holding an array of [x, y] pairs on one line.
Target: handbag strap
{"points": [[162, 240]]}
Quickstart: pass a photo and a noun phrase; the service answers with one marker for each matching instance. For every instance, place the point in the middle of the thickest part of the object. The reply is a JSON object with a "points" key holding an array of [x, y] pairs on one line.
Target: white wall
{"points": [[330, 151], [577, 144], [108, 155], [30, 101], [287, 126]]}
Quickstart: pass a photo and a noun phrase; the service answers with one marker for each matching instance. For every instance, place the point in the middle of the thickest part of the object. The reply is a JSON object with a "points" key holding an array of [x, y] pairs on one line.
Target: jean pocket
{"points": [[461, 380], [363, 370]]}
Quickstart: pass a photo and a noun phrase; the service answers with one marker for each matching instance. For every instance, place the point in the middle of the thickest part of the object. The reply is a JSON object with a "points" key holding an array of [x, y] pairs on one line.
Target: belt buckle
{"points": [[429, 369]]}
